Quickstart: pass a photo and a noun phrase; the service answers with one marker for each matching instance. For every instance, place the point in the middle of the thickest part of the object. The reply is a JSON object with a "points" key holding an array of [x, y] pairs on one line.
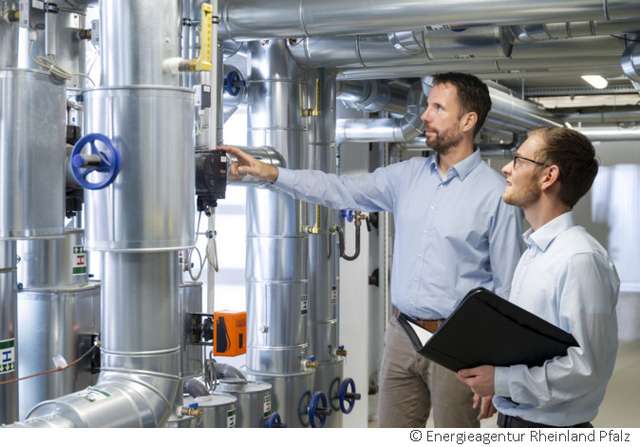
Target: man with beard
{"points": [[565, 277], [452, 233]]}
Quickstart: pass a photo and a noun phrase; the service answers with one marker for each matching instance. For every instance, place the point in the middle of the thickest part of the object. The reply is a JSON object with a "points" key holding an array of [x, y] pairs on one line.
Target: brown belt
{"points": [[427, 325]]}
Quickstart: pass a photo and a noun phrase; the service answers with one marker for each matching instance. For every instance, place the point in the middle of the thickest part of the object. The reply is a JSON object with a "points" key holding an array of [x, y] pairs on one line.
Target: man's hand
{"points": [[486, 406], [245, 164], [480, 379]]}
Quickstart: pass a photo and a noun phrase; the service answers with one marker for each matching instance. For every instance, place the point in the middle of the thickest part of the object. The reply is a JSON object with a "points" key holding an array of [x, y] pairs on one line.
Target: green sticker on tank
{"points": [[7, 356], [79, 261]]}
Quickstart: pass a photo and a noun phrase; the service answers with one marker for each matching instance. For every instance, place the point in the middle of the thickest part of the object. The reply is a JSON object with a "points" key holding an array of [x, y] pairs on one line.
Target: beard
{"points": [[443, 141], [525, 196]]}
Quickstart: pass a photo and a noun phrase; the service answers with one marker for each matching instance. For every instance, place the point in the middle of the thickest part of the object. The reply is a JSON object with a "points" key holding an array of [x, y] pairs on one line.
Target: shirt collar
{"points": [[545, 235], [463, 168]]}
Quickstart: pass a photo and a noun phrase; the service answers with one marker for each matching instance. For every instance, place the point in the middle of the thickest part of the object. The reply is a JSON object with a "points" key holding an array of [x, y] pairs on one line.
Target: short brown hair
{"points": [[473, 94], [575, 157]]}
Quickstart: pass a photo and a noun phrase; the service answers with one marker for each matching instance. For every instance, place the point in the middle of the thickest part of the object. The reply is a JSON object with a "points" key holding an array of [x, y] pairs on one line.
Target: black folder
{"points": [[487, 330]]}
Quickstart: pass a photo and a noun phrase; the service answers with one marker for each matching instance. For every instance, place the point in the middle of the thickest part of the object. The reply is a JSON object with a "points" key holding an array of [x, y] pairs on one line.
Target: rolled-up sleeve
{"points": [[588, 296]]}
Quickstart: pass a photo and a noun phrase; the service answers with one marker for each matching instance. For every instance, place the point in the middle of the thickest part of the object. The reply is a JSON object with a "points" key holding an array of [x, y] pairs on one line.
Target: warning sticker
{"points": [[304, 304], [79, 261], [7, 356], [231, 418], [267, 405]]}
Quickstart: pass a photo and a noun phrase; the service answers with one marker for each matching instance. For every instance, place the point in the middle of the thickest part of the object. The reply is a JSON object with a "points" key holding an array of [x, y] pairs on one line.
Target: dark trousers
{"points": [[505, 421]]}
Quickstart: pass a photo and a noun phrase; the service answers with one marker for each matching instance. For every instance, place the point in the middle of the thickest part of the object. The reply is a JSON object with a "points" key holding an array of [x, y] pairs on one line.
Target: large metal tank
{"points": [[32, 154], [255, 403], [58, 317], [8, 354], [219, 410], [190, 302], [152, 128]]}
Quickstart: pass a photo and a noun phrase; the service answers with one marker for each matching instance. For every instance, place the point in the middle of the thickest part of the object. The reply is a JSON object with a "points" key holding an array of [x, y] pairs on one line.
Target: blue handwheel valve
{"points": [[318, 410], [348, 396], [274, 421], [105, 160]]}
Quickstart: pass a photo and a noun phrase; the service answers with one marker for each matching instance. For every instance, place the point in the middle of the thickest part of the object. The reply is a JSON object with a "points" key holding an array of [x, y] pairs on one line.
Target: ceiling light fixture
{"points": [[596, 81]]}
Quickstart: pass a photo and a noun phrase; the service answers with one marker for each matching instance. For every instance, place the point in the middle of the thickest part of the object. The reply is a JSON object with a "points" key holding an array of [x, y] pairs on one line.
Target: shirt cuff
{"points": [[501, 381], [285, 178]]}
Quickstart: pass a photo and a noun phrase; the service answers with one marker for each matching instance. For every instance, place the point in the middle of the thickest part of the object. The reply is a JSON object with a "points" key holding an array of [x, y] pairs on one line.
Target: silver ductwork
{"points": [[630, 63], [610, 133], [58, 317], [32, 141], [404, 128], [276, 271], [473, 46], [139, 222], [470, 43], [569, 30], [248, 19]]}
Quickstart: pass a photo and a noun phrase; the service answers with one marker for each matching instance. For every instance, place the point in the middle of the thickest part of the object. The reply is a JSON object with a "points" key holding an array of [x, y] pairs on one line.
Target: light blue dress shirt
{"points": [[451, 234], [566, 278]]}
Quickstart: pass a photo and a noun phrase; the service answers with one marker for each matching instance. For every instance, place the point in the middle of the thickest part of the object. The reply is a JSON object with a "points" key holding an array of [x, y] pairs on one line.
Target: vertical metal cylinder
{"points": [[141, 326], [50, 29], [276, 272], [136, 37], [189, 302], [8, 335], [320, 154], [32, 141], [150, 206], [254, 401]]}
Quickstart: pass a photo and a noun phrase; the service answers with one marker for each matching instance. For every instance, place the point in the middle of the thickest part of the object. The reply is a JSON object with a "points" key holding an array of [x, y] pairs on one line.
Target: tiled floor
{"points": [[621, 406]]}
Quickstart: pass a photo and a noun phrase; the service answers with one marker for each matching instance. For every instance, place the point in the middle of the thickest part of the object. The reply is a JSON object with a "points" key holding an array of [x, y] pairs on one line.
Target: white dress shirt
{"points": [[565, 277]]}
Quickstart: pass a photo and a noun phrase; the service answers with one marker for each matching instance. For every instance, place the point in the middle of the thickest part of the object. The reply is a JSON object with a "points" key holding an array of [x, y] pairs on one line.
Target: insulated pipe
{"points": [[264, 154], [375, 96], [249, 19], [136, 37], [276, 270], [440, 48], [568, 30], [524, 114], [610, 133], [140, 358], [490, 69], [386, 129], [620, 115]]}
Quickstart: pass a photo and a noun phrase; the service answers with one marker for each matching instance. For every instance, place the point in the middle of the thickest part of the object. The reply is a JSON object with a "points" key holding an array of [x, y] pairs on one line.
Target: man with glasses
{"points": [[566, 277], [452, 233]]}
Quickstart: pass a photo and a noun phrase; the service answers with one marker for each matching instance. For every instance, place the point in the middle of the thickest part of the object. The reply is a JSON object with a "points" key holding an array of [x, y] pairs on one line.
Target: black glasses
{"points": [[517, 157]]}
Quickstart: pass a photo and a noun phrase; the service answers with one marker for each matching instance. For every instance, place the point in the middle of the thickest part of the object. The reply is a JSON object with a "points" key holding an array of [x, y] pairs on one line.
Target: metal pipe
{"points": [[568, 30], [249, 19], [386, 129], [136, 38], [276, 271], [140, 364], [488, 69], [610, 133], [375, 96], [490, 44]]}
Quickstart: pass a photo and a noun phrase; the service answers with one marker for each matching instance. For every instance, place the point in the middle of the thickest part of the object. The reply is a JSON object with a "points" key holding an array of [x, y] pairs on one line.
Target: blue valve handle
{"points": [[233, 83], [348, 396], [348, 215], [274, 421], [319, 398], [106, 160]]}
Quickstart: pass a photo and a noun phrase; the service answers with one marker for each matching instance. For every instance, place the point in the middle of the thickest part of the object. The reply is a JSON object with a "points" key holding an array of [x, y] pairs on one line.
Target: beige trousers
{"points": [[412, 385]]}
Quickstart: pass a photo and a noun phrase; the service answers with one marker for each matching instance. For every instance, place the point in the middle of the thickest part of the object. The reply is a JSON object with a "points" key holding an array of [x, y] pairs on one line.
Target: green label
{"points": [[79, 263], [7, 356]]}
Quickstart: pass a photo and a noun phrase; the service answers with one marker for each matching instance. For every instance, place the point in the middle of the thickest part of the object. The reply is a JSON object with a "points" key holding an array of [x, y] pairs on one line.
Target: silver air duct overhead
{"points": [[249, 19]]}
